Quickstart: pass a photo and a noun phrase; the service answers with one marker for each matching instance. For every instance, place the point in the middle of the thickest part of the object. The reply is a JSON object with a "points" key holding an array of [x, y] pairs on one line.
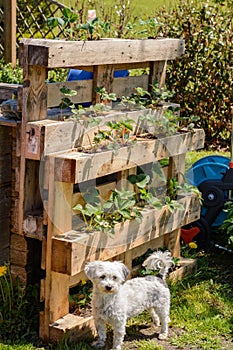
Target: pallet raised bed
{"points": [[51, 167], [71, 250]]}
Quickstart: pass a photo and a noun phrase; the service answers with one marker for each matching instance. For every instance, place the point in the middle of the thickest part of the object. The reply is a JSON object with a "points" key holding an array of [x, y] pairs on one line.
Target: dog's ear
{"points": [[90, 269], [124, 269]]}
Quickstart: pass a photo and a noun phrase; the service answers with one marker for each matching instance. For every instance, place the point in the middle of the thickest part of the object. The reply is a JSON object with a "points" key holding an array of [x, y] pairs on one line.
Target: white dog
{"points": [[114, 300]]}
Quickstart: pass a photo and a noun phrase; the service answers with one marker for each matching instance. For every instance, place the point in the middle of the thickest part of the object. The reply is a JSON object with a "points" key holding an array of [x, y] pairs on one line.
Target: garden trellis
{"points": [[23, 18]]}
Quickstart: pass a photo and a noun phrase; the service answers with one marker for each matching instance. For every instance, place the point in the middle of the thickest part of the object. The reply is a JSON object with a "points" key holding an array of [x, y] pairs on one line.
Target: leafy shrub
{"points": [[10, 75], [227, 226], [18, 308], [202, 80]]}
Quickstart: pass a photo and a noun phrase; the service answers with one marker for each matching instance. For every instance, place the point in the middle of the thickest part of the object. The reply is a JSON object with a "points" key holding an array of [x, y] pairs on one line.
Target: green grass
{"points": [[17, 347], [201, 314], [192, 157], [139, 7], [201, 308]]}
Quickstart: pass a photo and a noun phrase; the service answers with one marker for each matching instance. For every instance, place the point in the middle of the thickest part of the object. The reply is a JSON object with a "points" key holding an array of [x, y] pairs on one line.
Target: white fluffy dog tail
{"points": [[161, 261]]}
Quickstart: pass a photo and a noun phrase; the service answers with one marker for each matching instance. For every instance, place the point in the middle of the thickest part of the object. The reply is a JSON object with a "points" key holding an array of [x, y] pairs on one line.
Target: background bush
{"points": [[203, 78]]}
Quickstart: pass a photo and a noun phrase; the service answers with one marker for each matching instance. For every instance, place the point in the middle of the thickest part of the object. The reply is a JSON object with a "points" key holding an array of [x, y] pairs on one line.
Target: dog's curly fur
{"points": [[115, 299]]}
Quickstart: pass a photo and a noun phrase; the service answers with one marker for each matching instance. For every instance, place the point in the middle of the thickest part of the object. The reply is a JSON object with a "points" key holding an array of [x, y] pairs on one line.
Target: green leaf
{"points": [[55, 21], [78, 207], [69, 15], [143, 182], [92, 196], [68, 92], [132, 179]]}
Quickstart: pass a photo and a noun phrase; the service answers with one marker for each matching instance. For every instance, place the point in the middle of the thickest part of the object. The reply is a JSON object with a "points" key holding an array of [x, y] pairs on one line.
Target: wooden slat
{"points": [[51, 136], [120, 86], [187, 266], [19, 272], [71, 250], [103, 76], [34, 94], [33, 226], [157, 73], [7, 90], [62, 207], [60, 53], [59, 302], [172, 242], [10, 31], [77, 327], [44, 326], [77, 167]]}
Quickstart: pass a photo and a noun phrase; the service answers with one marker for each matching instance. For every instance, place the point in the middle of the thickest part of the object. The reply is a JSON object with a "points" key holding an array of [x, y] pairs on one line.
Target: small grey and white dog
{"points": [[115, 300]]}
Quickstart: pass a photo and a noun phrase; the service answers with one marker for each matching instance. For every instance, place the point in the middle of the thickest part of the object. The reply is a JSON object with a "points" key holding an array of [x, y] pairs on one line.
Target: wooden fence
{"points": [[26, 18]]}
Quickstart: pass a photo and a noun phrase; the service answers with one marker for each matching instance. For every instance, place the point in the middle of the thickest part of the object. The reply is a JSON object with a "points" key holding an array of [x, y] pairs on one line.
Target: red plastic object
{"points": [[188, 234]]}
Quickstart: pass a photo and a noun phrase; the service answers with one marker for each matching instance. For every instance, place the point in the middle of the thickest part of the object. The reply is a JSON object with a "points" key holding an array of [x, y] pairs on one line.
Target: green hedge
{"points": [[203, 78]]}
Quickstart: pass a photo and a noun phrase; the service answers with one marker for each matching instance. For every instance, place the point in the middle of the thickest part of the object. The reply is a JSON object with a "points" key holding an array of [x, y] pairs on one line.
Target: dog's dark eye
{"points": [[102, 277], [114, 277]]}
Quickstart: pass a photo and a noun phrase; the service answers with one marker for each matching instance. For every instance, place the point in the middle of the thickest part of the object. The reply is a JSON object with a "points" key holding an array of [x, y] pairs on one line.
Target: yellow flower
{"points": [[3, 270], [83, 281], [192, 245]]}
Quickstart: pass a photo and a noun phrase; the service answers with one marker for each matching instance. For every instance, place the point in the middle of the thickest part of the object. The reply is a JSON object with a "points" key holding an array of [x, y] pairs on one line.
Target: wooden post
{"points": [[102, 77], [157, 73], [10, 31]]}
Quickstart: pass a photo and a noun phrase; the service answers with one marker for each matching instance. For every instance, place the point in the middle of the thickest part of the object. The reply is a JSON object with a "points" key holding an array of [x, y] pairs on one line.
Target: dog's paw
{"points": [[162, 336], [98, 344], [157, 323]]}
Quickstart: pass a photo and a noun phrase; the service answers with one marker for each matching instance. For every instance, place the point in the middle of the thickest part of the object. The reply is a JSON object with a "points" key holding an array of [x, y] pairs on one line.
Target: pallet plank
{"points": [[74, 326], [71, 250], [77, 167], [61, 53], [51, 136]]}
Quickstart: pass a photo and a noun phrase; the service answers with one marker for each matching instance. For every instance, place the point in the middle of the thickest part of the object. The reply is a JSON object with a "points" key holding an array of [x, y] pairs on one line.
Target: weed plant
{"points": [[227, 226], [18, 309]]}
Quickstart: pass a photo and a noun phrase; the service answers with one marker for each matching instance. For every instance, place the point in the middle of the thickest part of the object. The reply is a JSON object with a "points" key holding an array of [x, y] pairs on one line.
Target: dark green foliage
{"points": [[10, 75], [202, 80], [227, 226], [19, 309]]}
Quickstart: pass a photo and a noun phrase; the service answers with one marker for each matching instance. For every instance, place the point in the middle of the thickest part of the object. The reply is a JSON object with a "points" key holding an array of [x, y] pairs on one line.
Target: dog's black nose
{"points": [[108, 288]]}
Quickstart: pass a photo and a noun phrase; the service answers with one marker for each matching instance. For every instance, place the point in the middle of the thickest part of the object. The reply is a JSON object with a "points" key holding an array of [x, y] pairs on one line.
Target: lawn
{"points": [[201, 313], [140, 7]]}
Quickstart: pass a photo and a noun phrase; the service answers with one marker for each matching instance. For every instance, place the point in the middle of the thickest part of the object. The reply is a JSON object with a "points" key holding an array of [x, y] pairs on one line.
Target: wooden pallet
{"points": [[49, 166]]}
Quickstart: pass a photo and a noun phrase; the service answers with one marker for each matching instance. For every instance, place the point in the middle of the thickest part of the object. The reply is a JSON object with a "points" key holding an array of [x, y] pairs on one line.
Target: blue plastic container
{"points": [[209, 168]]}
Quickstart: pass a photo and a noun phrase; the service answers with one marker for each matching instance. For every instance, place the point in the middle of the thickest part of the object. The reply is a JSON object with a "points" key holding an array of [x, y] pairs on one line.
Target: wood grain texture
{"points": [[50, 136], [60, 53], [75, 167], [73, 249], [77, 327]]}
